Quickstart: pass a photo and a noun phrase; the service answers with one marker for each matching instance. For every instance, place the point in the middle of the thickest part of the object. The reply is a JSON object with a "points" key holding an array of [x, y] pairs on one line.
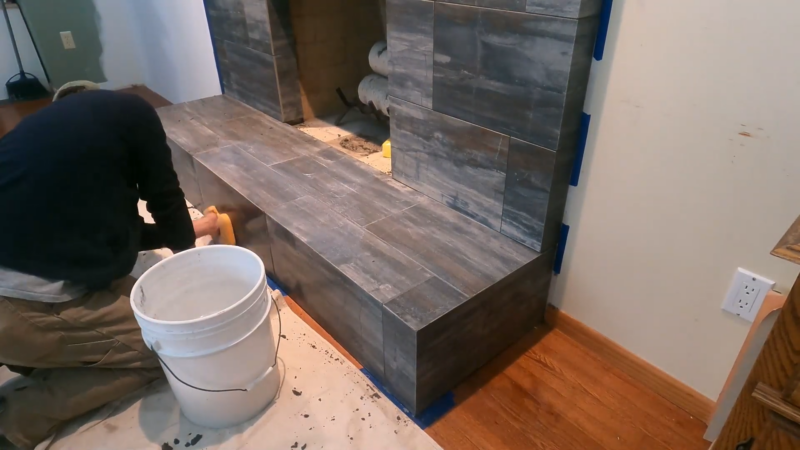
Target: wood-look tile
{"points": [[189, 133], [228, 23], [256, 182], [311, 177], [219, 108], [289, 85], [465, 254], [183, 163], [266, 139], [573, 9], [507, 71], [249, 222], [373, 265], [410, 39], [508, 5], [451, 161], [535, 194], [335, 301], [253, 80], [257, 25]]}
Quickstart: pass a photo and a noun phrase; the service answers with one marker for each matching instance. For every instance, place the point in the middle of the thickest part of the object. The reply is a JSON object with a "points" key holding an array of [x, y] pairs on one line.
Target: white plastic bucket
{"points": [[205, 312]]}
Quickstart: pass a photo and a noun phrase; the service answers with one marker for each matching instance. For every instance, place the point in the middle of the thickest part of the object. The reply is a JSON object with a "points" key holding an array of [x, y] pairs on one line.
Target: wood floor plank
{"points": [[545, 378], [664, 421]]}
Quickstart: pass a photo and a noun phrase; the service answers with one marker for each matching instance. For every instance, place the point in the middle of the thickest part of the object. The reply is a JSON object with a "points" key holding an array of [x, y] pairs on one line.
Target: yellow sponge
{"points": [[226, 236]]}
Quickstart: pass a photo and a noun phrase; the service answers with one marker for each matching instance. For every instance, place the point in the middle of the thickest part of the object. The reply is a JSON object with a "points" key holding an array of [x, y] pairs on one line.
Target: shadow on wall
{"points": [[176, 52], [47, 19]]}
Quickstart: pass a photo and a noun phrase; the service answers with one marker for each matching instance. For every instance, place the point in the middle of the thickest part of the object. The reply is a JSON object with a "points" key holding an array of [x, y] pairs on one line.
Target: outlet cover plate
{"points": [[746, 294]]}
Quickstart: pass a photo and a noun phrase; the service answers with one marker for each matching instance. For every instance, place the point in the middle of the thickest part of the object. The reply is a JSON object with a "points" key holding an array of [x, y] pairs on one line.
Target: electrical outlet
{"points": [[66, 39], [746, 294]]}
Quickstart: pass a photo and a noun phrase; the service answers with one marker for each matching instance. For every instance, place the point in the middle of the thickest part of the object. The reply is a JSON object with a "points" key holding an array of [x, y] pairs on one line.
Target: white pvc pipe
{"points": [[379, 58], [375, 88]]}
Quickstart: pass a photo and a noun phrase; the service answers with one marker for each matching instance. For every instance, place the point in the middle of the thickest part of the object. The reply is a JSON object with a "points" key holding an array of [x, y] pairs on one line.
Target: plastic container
{"points": [[205, 312]]}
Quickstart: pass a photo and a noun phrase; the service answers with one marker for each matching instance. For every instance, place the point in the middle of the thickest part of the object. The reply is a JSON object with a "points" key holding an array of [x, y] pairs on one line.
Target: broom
{"points": [[25, 86]]}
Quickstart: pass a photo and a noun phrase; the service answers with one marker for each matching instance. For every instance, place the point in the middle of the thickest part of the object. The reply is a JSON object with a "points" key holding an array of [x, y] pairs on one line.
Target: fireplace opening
{"points": [[342, 60]]}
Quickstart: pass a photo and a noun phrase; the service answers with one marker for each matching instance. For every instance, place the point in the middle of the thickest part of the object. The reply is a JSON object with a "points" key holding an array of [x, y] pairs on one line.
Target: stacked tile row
{"points": [[486, 103]]}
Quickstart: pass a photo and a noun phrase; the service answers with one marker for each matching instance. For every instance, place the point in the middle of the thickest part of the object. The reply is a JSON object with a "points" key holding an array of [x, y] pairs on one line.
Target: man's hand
{"points": [[206, 226]]}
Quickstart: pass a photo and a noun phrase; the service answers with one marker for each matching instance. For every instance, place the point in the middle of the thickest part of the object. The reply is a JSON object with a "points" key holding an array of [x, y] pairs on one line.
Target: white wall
{"points": [[8, 63], [121, 59], [672, 198], [175, 48]]}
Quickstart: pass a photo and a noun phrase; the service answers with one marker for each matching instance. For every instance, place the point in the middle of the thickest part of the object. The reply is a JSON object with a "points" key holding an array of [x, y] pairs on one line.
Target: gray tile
{"points": [[470, 335], [333, 300], [289, 85], [268, 140], [463, 253], [572, 9], [257, 25], [410, 39], [376, 267], [434, 337], [451, 161], [528, 193], [228, 25], [253, 80], [508, 5], [219, 108], [183, 163], [249, 222], [311, 177], [256, 182], [507, 71], [184, 129]]}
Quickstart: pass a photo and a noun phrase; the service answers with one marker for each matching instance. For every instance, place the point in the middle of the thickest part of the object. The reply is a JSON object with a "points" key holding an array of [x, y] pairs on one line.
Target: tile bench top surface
{"points": [[382, 234]]}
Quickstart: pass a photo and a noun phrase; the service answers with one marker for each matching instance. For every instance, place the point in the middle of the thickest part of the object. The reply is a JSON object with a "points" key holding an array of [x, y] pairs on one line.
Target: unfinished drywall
{"points": [[174, 46], [691, 170], [8, 63], [105, 50]]}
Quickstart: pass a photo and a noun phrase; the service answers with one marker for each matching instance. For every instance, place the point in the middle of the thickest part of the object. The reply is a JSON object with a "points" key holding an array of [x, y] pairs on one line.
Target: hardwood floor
{"points": [[545, 392], [12, 113], [549, 392]]}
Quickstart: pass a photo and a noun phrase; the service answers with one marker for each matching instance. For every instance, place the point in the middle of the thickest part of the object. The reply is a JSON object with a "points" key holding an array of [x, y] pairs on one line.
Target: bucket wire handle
{"points": [[278, 346]]}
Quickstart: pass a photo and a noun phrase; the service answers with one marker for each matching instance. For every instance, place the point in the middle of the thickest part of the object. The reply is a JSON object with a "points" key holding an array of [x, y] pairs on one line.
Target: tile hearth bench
{"points": [[419, 294]]}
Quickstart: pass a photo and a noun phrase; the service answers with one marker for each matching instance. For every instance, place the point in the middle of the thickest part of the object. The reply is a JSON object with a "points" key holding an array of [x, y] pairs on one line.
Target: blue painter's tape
{"points": [[602, 30], [562, 245], [273, 285], [426, 418], [582, 137]]}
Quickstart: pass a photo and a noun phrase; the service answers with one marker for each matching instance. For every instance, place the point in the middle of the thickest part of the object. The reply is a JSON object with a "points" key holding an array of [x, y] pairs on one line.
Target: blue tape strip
{"points": [[582, 138], [562, 245], [426, 418], [274, 286], [602, 30]]}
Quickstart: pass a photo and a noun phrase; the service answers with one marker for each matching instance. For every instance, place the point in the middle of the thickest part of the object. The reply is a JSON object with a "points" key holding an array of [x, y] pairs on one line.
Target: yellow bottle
{"points": [[387, 148]]}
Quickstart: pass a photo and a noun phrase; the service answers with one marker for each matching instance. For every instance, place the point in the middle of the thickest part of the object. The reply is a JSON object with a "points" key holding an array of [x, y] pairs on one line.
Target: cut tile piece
{"points": [[510, 72], [461, 252], [184, 129], [573, 9], [536, 193], [410, 39], [452, 161], [257, 23], [252, 79]]}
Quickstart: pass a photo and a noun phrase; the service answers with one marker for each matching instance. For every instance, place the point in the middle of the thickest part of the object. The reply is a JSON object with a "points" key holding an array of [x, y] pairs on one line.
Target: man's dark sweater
{"points": [[71, 176]]}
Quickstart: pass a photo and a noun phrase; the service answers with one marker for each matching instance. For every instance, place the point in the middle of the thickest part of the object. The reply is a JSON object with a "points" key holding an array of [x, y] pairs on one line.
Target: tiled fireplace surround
{"points": [[486, 103]]}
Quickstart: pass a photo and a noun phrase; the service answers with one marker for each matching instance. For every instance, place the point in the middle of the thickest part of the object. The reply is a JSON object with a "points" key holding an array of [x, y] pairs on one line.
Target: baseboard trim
{"points": [[679, 394]]}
